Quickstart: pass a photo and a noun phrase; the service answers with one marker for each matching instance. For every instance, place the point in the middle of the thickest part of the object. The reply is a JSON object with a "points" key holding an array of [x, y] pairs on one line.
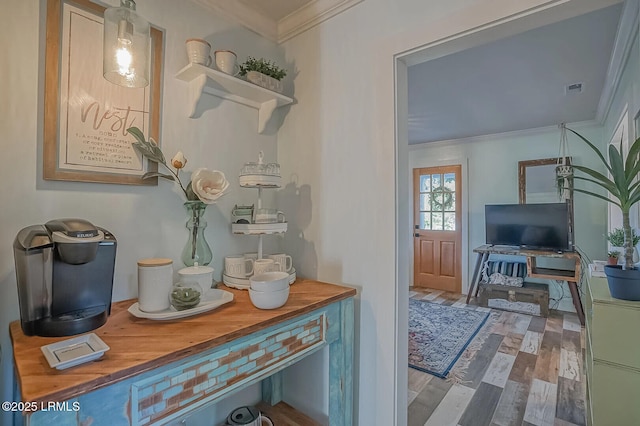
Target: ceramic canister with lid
{"points": [[202, 275], [155, 279]]}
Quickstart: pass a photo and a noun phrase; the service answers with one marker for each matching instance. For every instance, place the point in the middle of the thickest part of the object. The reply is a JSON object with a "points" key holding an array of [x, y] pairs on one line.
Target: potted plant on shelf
{"points": [[624, 190], [263, 73], [616, 239], [613, 257]]}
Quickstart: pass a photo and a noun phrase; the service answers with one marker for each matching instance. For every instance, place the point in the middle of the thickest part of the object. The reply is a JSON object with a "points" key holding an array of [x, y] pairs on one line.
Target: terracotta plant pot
{"points": [[612, 261]]}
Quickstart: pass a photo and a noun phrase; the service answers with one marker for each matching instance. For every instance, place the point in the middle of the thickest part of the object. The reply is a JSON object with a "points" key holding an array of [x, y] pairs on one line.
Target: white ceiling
{"points": [[515, 83]]}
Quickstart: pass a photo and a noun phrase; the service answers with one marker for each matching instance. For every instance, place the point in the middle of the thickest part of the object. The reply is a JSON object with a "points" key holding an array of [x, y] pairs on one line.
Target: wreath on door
{"points": [[447, 198]]}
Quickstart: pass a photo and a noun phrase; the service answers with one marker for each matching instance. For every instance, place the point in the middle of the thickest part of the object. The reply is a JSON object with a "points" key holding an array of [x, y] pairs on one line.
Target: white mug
{"points": [[261, 266], [199, 51], [284, 260], [226, 62], [203, 275], [238, 266], [253, 255], [263, 215]]}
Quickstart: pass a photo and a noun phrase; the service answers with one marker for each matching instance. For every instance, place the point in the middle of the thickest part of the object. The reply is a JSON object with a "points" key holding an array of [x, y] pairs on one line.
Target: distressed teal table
{"points": [[157, 371]]}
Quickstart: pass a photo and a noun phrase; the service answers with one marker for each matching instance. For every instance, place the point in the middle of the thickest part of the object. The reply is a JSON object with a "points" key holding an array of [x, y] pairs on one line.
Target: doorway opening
{"points": [[405, 214]]}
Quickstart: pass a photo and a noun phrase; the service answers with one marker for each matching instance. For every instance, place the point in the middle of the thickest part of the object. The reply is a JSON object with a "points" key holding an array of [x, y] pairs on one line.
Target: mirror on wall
{"points": [[537, 184]]}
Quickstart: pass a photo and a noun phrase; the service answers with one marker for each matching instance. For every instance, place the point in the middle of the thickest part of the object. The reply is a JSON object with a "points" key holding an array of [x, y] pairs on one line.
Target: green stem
{"points": [[194, 232], [628, 241], [177, 179]]}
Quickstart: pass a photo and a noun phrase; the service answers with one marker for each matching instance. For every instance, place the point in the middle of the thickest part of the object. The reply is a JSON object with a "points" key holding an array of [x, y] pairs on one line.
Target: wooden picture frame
{"points": [[544, 167], [85, 116]]}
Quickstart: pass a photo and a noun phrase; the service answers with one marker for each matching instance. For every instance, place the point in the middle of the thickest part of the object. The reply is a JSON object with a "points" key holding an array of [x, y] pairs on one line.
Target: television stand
{"points": [[571, 276]]}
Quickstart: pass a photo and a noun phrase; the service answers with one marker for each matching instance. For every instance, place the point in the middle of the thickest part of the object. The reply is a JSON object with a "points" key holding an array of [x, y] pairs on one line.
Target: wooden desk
{"points": [[158, 371], [571, 276]]}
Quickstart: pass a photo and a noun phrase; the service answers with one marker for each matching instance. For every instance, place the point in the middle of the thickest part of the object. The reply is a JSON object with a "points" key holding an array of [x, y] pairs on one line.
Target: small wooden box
{"points": [[531, 298]]}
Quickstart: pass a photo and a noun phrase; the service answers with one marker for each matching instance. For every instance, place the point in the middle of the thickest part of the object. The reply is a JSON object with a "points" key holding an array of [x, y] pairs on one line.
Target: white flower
{"points": [[208, 185], [179, 161]]}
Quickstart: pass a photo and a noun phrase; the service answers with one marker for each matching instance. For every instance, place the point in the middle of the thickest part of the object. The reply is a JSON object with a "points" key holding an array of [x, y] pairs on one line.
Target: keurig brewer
{"points": [[64, 271]]}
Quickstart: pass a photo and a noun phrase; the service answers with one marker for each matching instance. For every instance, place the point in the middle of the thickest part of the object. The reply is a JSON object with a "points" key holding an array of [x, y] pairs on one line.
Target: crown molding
{"points": [[504, 135], [311, 15], [295, 23], [627, 31], [238, 12]]}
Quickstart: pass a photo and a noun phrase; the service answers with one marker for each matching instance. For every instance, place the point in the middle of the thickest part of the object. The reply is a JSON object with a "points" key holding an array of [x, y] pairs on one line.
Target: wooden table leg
{"points": [[577, 303], [476, 270], [485, 258]]}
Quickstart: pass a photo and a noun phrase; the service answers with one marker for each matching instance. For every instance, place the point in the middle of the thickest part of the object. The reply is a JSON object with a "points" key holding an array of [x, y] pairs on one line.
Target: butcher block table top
{"points": [[139, 345]]}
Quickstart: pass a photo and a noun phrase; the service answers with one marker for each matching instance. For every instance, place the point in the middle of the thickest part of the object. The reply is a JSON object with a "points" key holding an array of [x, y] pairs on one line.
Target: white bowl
{"points": [[270, 281], [268, 299]]}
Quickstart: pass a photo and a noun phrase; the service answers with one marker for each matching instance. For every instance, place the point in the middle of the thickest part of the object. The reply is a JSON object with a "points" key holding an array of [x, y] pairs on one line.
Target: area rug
{"points": [[438, 334]]}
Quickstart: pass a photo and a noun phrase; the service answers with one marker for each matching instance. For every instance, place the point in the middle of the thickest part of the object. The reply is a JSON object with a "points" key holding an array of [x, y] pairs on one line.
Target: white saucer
{"points": [[259, 228], [212, 299], [264, 181], [245, 284], [72, 352]]}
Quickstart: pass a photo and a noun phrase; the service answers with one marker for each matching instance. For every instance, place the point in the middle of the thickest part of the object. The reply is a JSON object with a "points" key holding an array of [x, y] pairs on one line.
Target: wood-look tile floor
{"points": [[527, 372]]}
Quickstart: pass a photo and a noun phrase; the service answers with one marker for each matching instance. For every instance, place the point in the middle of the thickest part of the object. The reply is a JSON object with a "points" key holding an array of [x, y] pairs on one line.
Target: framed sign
{"points": [[85, 116]]}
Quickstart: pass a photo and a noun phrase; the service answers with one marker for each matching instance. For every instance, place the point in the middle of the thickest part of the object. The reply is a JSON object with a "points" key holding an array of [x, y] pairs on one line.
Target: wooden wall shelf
{"points": [[203, 79]]}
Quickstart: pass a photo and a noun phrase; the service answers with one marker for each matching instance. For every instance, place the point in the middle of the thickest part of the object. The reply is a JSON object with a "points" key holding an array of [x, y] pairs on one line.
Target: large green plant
{"points": [[623, 185]]}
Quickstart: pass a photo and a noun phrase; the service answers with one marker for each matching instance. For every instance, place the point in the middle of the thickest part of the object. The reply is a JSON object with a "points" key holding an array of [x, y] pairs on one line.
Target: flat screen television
{"points": [[534, 226]]}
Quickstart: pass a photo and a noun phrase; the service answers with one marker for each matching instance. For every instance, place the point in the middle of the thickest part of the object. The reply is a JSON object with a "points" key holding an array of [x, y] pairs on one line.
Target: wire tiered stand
{"points": [[258, 176]]}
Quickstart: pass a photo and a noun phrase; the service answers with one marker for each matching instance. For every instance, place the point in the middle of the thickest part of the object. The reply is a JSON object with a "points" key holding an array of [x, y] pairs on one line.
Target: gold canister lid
{"points": [[154, 261]]}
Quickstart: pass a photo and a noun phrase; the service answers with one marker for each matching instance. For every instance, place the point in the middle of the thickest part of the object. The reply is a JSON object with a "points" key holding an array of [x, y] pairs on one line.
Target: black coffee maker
{"points": [[64, 271]]}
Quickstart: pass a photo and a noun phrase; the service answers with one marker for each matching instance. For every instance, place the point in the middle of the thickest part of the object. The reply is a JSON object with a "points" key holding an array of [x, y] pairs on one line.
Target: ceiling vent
{"points": [[573, 89]]}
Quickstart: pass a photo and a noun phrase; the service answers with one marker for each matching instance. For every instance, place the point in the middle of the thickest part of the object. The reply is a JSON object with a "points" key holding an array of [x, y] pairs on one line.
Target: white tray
{"points": [[245, 284], [264, 181], [72, 352], [212, 299], [259, 228]]}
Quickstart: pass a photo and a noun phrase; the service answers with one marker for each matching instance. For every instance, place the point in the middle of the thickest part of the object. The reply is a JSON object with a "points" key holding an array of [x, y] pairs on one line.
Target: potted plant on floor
{"points": [[624, 190], [264, 73]]}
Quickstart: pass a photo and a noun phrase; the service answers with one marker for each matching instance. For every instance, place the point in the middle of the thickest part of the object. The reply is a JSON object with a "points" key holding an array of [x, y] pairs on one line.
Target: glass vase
{"points": [[197, 250]]}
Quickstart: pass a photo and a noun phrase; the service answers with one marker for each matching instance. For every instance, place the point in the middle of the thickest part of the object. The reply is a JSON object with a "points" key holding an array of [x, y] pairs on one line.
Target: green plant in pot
{"points": [[616, 239], [624, 280], [263, 66], [613, 256]]}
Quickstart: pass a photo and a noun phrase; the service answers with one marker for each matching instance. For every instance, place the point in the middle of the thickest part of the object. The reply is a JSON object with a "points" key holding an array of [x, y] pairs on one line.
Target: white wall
{"points": [[626, 100], [339, 141], [492, 178], [147, 221]]}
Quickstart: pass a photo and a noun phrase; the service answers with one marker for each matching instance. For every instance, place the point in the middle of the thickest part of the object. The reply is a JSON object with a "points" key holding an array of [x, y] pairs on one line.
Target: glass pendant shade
{"points": [[126, 56]]}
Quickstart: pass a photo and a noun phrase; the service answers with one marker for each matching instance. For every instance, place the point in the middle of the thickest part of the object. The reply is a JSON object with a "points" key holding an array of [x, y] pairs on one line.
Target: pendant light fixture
{"points": [[126, 56]]}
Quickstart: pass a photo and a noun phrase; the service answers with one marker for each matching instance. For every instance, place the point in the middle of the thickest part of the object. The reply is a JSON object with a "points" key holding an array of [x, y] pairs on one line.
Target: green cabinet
{"points": [[612, 357]]}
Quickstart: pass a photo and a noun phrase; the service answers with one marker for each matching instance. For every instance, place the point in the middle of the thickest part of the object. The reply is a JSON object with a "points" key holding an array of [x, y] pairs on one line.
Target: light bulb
{"points": [[123, 57], [123, 53]]}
